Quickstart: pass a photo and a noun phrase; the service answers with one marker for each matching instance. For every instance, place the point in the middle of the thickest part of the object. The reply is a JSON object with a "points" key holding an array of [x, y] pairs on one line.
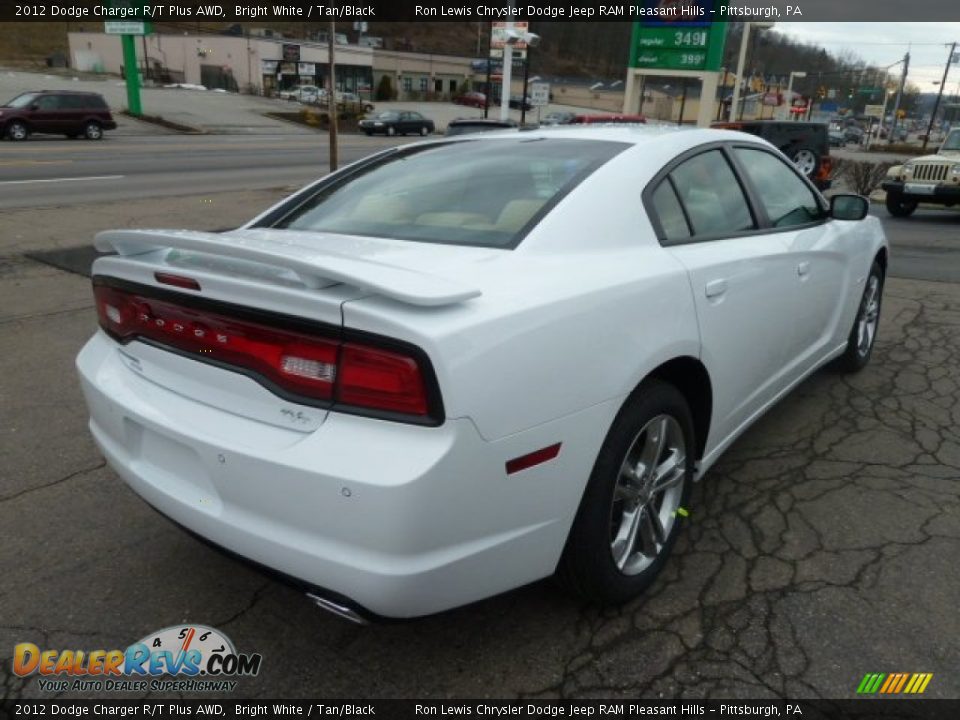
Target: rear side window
{"points": [[712, 195], [670, 213], [479, 192]]}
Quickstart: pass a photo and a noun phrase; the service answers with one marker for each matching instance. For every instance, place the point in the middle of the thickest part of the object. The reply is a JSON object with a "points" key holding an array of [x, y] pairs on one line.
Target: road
{"points": [[45, 172], [50, 171]]}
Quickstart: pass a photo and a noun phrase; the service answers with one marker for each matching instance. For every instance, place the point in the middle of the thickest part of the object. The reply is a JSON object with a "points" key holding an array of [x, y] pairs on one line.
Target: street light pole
{"points": [[936, 105], [741, 62], [507, 64], [332, 98]]}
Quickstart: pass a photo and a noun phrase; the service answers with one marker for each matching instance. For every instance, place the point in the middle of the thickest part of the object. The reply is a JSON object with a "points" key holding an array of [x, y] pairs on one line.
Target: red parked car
{"points": [[56, 112], [471, 99]]}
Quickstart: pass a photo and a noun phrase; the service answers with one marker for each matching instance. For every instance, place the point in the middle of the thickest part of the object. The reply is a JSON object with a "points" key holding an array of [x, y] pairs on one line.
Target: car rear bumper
{"points": [[398, 520], [941, 194]]}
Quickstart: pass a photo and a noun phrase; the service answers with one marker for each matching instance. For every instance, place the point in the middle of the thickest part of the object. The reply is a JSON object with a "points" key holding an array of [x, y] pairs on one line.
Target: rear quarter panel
{"points": [[578, 314]]}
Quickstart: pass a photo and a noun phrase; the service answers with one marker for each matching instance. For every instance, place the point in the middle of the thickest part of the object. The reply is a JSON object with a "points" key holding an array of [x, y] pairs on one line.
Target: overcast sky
{"points": [[883, 44]]}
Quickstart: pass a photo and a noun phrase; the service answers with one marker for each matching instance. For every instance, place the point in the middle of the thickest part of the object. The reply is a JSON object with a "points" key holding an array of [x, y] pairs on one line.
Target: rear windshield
{"points": [[487, 193], [22, 100]]}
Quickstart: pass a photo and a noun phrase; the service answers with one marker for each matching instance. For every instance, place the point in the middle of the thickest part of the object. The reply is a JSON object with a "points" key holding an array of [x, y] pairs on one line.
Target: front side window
{"points": [[49, 102], [786, 198], [486, 193], [712, 196]]}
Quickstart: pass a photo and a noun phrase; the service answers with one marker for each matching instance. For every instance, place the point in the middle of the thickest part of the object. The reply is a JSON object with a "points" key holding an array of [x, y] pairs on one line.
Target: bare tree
{"points": [[863, 176]]}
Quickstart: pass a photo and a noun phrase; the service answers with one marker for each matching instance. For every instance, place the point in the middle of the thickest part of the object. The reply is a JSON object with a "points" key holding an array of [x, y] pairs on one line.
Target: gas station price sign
{"points": [[679, 35]]}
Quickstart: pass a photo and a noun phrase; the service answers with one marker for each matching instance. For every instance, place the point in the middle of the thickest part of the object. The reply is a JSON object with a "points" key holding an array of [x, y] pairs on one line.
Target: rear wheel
{"points": [[806, 160], [898, 206], [864, 331], [424, 131], [93, 131], [391, 130], [17, 130], [629, 517]]}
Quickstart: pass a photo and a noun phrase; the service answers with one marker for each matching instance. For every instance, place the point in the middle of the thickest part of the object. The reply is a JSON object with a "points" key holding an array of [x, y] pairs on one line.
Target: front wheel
{"points": [[18, 131], [864, 331], [898, 206], [391, 131], [632, 508]]}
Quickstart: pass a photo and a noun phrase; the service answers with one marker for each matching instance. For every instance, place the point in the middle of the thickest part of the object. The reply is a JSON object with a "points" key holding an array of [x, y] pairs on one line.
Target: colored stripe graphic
{"points": [[894, 683]]}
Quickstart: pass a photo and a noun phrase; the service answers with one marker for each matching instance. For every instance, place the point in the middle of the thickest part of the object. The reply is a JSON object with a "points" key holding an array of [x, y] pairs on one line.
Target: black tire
{"points": [[587, 566], [391, 130], [17, 130], [93, 131], [368, 133], [859, 349], [900, 207], [806, 159]]}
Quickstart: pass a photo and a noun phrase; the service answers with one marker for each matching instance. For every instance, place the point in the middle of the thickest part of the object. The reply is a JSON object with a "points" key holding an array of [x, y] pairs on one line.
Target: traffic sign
{"points": [[875, 111], [539, 94]]}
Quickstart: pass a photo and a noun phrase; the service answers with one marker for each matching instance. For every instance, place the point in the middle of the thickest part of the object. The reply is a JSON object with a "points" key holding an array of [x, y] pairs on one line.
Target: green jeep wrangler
{"points": [[929, 179]]}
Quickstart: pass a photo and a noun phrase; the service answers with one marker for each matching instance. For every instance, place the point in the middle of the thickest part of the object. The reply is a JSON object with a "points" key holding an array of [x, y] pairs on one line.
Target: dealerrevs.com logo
{"points": [[181, 658]]}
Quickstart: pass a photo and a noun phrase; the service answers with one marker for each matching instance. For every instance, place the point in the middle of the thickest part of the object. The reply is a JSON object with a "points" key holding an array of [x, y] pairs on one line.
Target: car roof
{"points": [[634, 134], [60, 92]]}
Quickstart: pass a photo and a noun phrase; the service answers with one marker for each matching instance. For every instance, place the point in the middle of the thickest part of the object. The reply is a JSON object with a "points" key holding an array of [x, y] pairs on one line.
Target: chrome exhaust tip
{"points": [[338, 609]]}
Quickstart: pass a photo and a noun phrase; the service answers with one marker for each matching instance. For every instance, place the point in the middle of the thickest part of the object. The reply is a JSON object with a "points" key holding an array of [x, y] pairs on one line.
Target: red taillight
{"points": [[311, 367], [374, 378]]}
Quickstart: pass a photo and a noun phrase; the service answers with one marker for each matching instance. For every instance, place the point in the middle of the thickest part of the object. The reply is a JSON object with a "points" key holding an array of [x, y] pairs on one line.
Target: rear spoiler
{"points": [[314, 268]]}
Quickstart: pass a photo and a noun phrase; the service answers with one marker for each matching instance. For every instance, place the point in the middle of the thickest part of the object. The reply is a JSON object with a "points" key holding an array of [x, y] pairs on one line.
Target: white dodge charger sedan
{"points": [[456, 367]]}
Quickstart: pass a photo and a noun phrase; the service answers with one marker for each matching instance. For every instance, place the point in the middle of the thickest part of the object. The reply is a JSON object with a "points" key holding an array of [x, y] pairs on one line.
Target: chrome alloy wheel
{"points": [[806, 161], [647, 494], [869, 316]]}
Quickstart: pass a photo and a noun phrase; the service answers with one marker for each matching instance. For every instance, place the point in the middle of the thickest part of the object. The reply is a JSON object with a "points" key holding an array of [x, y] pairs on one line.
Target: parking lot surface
{"points": [[823, 546]]}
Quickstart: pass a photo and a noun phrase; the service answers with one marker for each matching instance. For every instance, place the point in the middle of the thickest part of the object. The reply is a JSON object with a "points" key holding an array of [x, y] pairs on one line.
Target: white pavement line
{"points": [[53, 180]]}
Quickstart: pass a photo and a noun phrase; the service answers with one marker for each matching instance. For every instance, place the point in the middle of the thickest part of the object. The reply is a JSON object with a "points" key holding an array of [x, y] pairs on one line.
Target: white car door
{"points": [[740, 277], [819, 252]]}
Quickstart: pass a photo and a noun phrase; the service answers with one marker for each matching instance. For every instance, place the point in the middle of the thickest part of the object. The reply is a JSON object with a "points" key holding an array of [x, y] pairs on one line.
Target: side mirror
{"points": [[849, 207], [34, 107]]}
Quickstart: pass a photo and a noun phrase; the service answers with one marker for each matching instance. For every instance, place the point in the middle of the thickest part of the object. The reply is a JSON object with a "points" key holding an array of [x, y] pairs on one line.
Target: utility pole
{"points": [[896, 104], [936, 105], [332, 97]]}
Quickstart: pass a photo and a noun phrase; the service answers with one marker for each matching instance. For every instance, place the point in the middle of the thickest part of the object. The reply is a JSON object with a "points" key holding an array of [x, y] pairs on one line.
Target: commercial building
{"points": [[263, 65]]}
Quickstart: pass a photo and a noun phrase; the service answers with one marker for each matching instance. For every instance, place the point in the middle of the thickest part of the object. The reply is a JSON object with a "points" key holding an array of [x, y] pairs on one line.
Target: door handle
{"points": [[715, 288], [803, 269]]}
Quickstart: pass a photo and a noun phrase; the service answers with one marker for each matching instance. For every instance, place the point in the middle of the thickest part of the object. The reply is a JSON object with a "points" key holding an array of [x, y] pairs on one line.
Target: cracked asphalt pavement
{"points": [[822, 547]]}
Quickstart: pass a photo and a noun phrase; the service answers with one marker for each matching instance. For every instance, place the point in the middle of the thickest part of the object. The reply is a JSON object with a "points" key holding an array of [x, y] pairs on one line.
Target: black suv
{"points": [[806, 143], [56, 112]]}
